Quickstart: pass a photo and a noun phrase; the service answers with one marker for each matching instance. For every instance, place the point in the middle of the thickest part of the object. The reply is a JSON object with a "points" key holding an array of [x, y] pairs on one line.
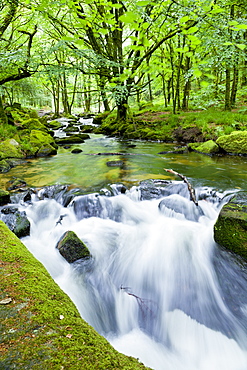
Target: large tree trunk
{"points": [[102, 82], [234, 86], [187, 86], [3, 117], [228, 89], [122, 110]]}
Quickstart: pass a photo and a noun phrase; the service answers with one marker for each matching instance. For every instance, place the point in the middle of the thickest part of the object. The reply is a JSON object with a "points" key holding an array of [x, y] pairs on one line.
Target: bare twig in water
{"points": [[60, 220], [143, 303], [190, 188]]}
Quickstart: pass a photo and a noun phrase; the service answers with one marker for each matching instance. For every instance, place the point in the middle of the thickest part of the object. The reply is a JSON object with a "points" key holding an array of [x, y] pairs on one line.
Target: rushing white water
{"points": [[157, 287]]}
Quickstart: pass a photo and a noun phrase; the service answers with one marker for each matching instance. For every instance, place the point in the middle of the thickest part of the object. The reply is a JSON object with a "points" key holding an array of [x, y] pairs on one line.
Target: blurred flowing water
{"points": [[157, 286]]}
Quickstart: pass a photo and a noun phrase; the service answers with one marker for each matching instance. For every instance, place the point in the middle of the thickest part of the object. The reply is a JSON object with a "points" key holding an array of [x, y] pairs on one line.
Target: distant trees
{"points": [[110, 51]]}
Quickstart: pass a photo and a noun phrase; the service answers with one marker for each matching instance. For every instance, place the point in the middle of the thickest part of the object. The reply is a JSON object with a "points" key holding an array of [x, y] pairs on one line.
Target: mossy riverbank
{"points": [[40, 326]]}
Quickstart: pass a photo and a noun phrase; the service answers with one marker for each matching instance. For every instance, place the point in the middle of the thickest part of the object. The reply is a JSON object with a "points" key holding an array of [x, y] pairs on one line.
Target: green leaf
{"points": [[192, 30], [242, 26], [117, 6], [197, 73], [128, 17], [142, 3], [184, 19], [241, 46]]}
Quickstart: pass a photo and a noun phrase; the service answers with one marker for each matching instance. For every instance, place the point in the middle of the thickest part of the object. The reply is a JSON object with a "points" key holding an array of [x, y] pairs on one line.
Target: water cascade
{"points": [[157, 286]]}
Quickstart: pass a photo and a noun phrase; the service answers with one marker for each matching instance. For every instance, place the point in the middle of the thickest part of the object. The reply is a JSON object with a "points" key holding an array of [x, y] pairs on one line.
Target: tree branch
{"points": [[190, 188]]}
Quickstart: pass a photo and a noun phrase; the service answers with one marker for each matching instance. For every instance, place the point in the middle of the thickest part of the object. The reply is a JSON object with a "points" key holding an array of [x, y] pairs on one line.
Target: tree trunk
{"points": [[187, 86], [3, 117], [234, 86], [164, 88], [122, 110], [228, 89], [102, 82]]}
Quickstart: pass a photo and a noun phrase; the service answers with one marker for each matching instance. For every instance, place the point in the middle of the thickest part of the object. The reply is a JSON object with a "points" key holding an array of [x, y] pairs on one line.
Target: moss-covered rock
{"points": [[15, 220], [4, 197], [40, 326], [39, 139], [33, 124], [46, 150], [230, 229], [71, 247], [54, 125], [209, 147], [10, 148], [235, 143], [73, 139]]}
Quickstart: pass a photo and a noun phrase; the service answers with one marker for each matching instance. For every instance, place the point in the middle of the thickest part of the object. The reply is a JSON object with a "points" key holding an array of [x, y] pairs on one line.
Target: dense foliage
{"points": [[116, 54]]}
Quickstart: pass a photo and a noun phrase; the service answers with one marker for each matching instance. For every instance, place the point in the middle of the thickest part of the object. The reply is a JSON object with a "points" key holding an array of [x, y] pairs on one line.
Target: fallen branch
{"points": [[190, 188]]}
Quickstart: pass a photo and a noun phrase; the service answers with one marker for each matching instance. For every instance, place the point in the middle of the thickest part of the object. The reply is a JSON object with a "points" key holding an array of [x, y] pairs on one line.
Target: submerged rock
{"points": [[230, 229], [76, 151], [16, 183], [235, 143], [4, 166], [115, 163], [71, 247], [180, 205]]}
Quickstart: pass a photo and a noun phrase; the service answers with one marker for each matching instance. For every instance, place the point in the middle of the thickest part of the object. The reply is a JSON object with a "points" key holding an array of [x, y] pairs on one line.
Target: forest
{"points": [[95, 56]]}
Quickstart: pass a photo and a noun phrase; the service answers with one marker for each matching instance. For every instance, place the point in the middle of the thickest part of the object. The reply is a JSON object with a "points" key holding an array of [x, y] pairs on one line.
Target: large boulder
{"points": [[235, 143], [230, 229], [16, 221], [39, 139], [10, 148], [32, 124], [71, 247], [209, 147]]}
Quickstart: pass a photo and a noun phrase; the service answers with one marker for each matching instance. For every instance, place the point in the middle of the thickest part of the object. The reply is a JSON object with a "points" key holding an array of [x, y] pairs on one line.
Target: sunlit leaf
{"points": [[128, 17], [197, 73], [241, 46]]}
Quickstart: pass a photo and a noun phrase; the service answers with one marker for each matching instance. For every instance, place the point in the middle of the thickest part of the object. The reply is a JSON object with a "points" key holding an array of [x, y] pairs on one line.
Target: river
{"points": [[157, 286]]}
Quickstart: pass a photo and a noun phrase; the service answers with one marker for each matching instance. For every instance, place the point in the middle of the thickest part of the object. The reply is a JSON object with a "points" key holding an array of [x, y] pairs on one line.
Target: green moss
{"points": [[235, 143], [209, 147], [230, 229], [10, 148], [55, 125], [33, 124], [39, 138], [34, 334]]}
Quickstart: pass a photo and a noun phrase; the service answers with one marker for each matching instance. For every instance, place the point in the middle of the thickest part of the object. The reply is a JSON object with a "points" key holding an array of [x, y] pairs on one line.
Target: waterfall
{"points": [[157, 286]]}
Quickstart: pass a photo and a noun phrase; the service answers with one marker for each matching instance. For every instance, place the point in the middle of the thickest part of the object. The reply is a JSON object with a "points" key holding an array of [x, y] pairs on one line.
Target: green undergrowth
{"points": [[151, 124], [40, 326]]}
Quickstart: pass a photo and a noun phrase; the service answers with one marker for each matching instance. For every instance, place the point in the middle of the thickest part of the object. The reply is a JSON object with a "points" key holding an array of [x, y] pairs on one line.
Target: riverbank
{"points": [[40, 326]]}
